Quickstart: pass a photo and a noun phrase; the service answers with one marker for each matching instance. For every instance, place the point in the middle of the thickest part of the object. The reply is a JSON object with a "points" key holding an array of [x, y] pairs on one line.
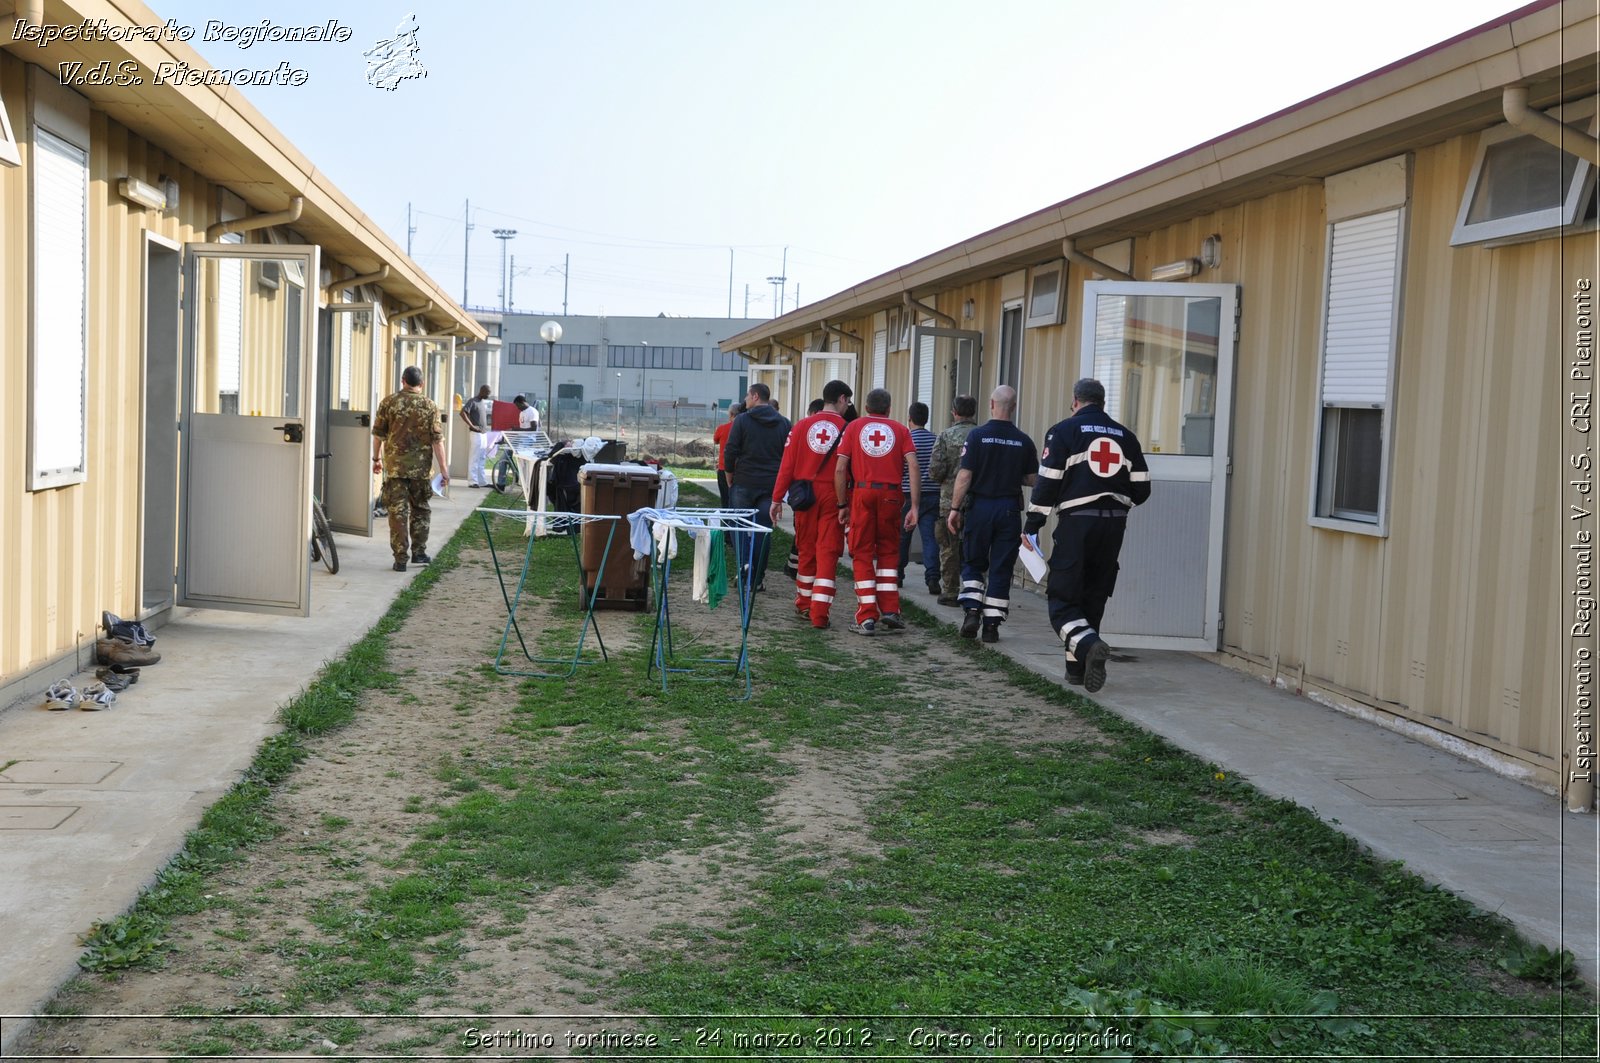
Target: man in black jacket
{"points": [[1092, 471], [752, 456]]}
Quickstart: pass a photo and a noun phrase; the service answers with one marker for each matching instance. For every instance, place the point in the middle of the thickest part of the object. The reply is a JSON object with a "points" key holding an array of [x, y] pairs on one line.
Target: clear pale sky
{"points": [[645, 138]]}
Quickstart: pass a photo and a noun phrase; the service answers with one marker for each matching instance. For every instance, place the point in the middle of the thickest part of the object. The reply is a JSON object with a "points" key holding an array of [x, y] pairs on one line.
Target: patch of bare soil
{"points": [[353, 807]]}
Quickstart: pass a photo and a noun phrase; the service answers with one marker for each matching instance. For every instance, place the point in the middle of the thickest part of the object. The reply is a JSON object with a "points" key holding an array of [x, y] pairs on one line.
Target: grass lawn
{"points": [[1057, 882]]}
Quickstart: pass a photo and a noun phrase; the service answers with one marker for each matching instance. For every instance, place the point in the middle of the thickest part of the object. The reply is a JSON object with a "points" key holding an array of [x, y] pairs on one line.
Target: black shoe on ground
{"points": [[1074, 678], [991, 632], [421, 559], [935, 590], [969, 625], [893, 621], [399, 564], [949, 600], [1094, 666]]}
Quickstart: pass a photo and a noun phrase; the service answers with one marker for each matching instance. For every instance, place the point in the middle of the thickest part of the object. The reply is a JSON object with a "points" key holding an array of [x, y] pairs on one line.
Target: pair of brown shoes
{"points": [[118, 652]]}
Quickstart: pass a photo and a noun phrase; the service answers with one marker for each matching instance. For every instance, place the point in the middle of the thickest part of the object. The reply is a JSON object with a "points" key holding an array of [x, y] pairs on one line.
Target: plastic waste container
{"points": [[618, 490]]}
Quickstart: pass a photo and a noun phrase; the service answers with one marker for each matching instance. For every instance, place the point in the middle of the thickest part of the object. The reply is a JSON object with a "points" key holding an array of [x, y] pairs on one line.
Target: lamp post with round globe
{"points": [[550, 332]]}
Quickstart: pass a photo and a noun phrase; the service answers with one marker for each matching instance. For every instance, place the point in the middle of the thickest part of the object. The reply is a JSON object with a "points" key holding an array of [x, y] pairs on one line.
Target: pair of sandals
{"points": [[118, 677], [126, 630], [92, 698]]}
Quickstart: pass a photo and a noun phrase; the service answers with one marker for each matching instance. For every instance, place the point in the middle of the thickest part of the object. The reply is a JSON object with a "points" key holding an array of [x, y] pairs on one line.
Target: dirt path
{"points": [[350, 811]]}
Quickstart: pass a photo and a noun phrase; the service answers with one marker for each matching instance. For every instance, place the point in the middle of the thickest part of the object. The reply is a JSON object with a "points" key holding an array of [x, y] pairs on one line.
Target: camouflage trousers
{"points": [[409, 502], [949, 554]]}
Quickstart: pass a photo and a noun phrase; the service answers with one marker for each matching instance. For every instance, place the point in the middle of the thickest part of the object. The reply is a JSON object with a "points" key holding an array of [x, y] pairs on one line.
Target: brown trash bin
{"points": [[619, 490]]}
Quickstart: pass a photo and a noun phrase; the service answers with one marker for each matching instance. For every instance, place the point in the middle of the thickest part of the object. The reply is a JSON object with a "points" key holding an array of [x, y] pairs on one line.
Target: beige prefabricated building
{"points": [[140, 176], [1447, 613]]}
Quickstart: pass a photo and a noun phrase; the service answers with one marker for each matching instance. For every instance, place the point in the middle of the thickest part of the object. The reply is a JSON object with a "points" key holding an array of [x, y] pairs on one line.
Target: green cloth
{"points": [[717, 577]]}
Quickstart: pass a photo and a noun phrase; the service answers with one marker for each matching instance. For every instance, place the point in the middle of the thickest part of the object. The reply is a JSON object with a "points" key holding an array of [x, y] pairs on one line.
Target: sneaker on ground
{"points": [[864, 627], [96, 696], [991, 632], [61, 695], [969, 624], [421, 559], [1094, 666], [894, 622], [400, 564]]}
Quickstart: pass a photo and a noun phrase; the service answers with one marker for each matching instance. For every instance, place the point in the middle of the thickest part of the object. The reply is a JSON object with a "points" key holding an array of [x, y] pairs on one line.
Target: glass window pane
{"points": [[1157, 357], [1352, 463], [1520, 176]]}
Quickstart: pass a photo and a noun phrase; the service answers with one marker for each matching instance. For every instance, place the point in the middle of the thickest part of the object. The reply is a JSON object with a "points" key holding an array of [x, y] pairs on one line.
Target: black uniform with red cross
{"points": [[877, 449], [818, 538], [1091, 472]]}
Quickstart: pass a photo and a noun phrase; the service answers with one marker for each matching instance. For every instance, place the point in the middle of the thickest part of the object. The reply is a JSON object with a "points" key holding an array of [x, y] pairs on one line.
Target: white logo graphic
{"points": [[1105, 457], [877, 440], [395, 60], [821, 436]]}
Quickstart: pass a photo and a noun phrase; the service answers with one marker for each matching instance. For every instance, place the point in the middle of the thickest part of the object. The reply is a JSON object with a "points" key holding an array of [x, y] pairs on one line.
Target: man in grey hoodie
{"points": [[752, 455]]}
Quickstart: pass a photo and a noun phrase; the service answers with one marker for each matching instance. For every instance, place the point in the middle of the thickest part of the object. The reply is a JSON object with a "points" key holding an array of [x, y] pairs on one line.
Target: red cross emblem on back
{"points": [[877, 440], [821, 437], [1105, 457]]}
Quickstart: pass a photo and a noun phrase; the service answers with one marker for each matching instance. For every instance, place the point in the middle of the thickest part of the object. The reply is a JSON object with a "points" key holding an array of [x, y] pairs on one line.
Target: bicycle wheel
{"points": [[322, 538], [505, 474]]}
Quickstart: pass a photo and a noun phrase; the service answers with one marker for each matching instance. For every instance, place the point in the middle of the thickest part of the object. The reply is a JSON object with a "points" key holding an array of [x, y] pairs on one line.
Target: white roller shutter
{"points": [[925, 359], [1363, 267], [61, 295], [230, 320], [880, 356]]}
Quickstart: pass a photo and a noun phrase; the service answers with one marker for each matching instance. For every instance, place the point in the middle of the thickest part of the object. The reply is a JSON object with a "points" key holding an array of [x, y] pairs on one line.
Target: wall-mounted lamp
{"points": [[142, 193], [169, 188], [1182, 269], [968, 308], [1211, 251]]}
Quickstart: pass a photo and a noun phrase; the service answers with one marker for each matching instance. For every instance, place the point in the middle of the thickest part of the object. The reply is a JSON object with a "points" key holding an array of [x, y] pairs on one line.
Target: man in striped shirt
{"points": [[928, 515]]}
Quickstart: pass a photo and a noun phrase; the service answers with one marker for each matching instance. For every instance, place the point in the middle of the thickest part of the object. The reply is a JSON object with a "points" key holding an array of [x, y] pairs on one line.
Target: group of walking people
{"points": [[871, 482]]}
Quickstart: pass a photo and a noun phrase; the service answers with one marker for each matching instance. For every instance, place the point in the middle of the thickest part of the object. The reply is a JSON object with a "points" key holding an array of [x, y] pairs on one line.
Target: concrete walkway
{"points": [[92, 805]]}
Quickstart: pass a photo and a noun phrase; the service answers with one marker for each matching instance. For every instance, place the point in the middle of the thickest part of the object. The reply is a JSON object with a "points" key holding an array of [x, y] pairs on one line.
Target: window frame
{"points": [[39, 403], [1533, 225], [8, 138], [1033, 317], [1321, 512]]}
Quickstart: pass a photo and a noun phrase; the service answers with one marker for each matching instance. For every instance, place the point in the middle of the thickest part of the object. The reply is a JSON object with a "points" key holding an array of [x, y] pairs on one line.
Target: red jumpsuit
{"points": [[877, 448], [809, 454]]}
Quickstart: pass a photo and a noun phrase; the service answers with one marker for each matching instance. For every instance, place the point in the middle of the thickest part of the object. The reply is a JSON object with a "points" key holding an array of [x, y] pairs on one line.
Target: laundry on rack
{"points": [[717, 583], [702, 563]]}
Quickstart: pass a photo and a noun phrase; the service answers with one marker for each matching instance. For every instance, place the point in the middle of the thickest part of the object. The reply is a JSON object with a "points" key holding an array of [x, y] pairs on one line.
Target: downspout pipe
{"points": [[1070, 252], [945, 319], [1514, 102], [414, 311], [31, 11], [259, 221], [355, 282]]}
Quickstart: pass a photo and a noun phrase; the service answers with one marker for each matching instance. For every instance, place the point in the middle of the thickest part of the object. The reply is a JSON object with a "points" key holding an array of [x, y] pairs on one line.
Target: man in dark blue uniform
{"points": [[1091, 473], [998, 461]]}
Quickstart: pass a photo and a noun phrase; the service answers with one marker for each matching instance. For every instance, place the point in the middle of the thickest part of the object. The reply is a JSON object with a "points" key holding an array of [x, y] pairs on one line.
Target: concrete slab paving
{"points": [[93, 805]]}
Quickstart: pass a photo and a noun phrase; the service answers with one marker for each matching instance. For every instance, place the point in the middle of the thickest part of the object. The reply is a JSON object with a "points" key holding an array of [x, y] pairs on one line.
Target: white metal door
{"points": [[948, 363], [353, 374], [249, 362], [819, 367], [780, 379], [1165, 355]]}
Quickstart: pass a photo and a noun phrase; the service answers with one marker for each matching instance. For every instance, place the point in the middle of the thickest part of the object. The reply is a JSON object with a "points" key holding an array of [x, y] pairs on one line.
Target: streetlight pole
{"points": [[777, 307], [619, 404], [504, 236], [550, 332]]}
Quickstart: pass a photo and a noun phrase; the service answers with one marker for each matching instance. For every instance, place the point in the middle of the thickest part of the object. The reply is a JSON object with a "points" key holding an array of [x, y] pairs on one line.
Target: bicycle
{"points": [[504, 477], [323, 547]]}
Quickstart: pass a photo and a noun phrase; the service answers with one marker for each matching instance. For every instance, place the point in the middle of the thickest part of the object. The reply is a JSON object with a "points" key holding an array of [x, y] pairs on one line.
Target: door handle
{"points": [[292, 433], [365, 420]]}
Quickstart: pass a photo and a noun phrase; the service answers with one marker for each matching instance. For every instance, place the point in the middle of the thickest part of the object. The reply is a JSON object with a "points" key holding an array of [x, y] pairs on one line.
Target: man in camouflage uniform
{"points": [[942, 469], [407, 439]]}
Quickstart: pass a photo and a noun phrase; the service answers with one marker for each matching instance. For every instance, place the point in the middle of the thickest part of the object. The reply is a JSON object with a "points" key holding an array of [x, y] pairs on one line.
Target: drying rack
{"points": [[663, 654], [553, 522]]}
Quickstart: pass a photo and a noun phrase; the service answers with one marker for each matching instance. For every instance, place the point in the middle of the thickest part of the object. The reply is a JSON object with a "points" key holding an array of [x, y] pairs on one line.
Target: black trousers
{"points": [[1083, 573]]}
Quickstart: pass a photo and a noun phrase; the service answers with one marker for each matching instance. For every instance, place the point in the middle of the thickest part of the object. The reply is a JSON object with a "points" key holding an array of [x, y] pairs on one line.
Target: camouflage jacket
{"points": [[947, 459], [408, 424]]}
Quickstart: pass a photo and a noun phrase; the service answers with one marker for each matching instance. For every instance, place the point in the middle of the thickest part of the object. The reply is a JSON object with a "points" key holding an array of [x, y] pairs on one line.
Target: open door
{"points": [[353, 373], [945, 363], [819, 367], [780, 379], [249, 362], [1165, 355]]}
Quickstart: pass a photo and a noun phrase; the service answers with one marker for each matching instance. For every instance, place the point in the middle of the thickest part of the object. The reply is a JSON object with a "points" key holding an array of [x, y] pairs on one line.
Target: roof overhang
{"points": [[1447, 90], [216, 132]]}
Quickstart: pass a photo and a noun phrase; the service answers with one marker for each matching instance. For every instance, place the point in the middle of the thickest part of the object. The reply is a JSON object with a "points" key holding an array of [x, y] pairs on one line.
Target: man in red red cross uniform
{"points": [[872, 454], [1091, 473], [810, 454]]}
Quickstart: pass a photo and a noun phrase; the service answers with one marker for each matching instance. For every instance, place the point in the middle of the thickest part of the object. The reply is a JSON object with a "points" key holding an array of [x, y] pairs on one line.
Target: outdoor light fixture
{"points": [[968, 307], [1211, 251], [142, 193], [550, 332], [1182, 269]]}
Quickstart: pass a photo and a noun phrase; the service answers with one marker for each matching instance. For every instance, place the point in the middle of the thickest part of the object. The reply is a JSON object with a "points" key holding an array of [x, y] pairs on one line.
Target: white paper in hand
{"points": [[1032, 560]]}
